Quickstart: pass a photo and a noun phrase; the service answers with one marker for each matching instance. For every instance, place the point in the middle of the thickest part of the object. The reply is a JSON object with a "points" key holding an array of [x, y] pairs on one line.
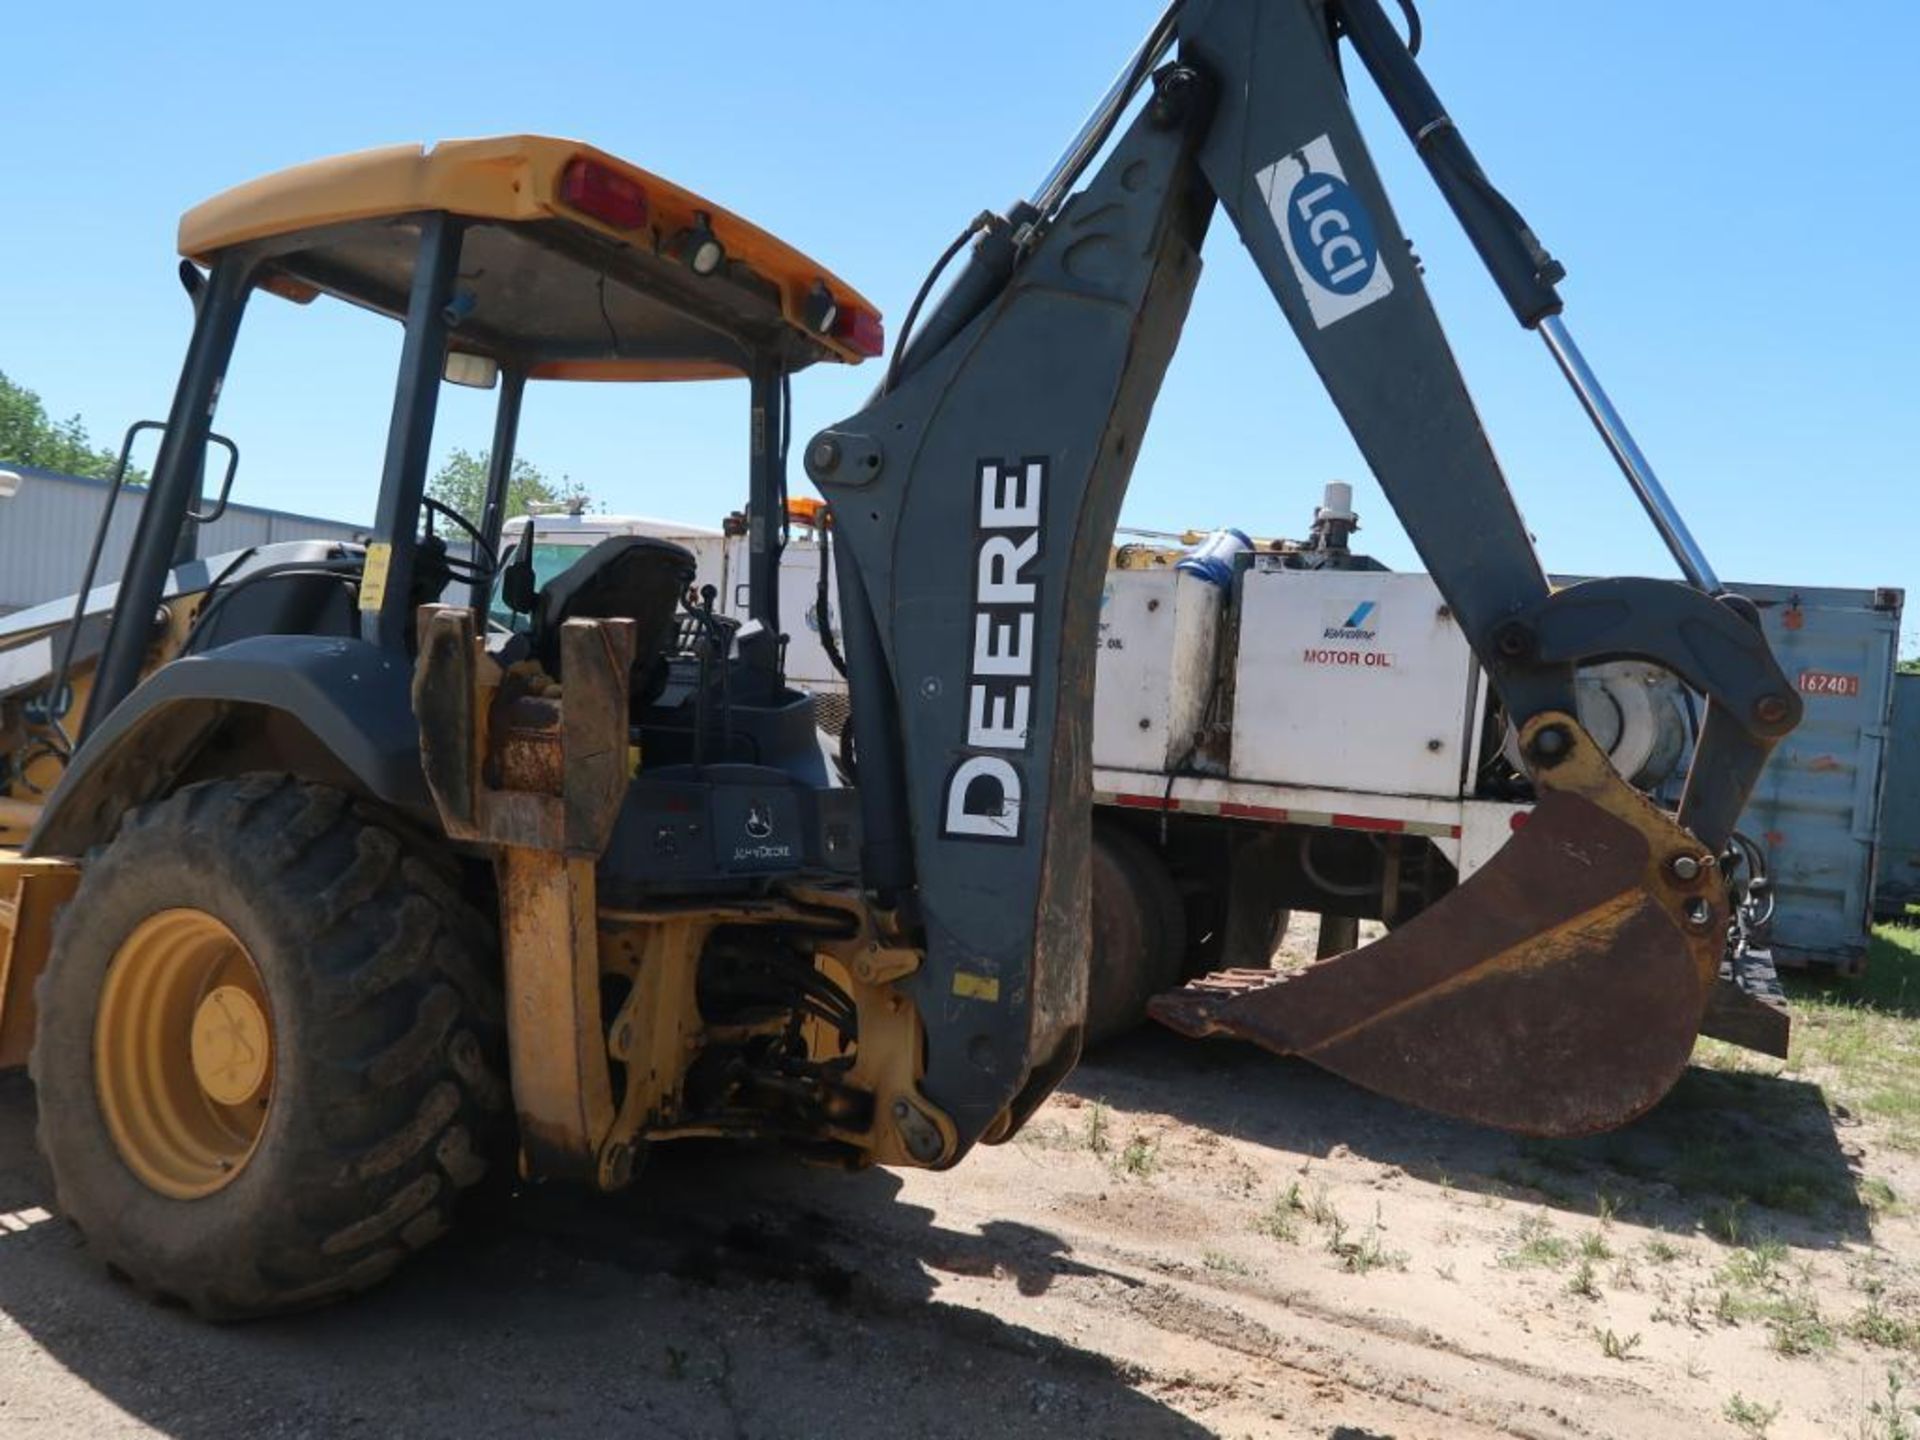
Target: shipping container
{"points": [[47, 528], [1898, 882], [1817, 806]]}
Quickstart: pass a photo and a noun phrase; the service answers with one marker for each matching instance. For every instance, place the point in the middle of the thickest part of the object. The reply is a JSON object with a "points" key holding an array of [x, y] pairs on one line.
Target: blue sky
{"points": [[1734, 189]]}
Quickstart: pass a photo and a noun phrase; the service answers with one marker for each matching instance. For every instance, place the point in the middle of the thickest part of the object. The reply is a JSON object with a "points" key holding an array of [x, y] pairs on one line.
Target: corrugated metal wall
{"points": [[1817, 806], [1899, 881], [46, 529]]}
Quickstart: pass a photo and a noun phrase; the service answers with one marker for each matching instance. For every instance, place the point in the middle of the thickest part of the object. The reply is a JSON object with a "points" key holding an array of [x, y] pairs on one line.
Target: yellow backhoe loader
{"points": [[328, 890]]}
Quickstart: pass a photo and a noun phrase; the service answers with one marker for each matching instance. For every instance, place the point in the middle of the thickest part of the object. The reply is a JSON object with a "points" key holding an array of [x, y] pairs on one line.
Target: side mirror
{"points": [[517, 587], [9, 484]]}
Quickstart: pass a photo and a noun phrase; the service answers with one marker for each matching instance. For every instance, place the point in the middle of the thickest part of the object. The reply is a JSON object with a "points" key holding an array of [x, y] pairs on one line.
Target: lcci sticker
{"points": [[1329, 235], [1828, 682]]}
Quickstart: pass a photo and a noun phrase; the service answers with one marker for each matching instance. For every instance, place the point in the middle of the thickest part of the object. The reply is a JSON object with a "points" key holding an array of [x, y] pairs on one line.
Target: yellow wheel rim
{"points": [[183, 1053]]}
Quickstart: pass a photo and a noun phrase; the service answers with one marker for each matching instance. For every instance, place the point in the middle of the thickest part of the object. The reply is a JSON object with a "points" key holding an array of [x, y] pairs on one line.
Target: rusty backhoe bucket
{"points": [[1558, 992]]}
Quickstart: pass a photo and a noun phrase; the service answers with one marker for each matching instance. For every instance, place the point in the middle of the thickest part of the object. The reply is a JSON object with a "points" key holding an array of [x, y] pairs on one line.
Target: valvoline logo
{"points": [[1332, 233], [1360, 625], [1329, 234]]}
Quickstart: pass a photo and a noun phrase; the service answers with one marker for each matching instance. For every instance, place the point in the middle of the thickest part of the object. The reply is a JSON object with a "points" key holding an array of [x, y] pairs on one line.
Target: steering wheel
{"points": [[476, 571]]}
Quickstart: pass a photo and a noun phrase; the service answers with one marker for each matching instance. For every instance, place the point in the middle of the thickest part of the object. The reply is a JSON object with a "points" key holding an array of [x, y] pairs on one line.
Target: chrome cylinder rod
{"points": [[1653, 495], [1099, 125]]}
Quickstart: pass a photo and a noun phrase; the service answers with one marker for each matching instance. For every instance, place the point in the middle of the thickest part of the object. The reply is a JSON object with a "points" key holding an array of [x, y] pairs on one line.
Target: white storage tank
{"points": [[1351, 679], [1159, 633]]}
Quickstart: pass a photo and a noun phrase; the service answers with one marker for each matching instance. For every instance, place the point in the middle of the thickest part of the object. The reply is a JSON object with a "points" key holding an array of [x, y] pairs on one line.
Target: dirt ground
{"points": [[1189, 1240]]}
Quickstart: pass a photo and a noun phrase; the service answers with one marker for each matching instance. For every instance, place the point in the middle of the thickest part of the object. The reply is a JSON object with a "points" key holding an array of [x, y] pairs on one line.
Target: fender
{"points": [[332, 708]]}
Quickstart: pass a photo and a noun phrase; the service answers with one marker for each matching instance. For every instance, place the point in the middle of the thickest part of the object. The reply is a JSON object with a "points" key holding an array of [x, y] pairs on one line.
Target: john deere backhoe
{"points": [[335, 894]]}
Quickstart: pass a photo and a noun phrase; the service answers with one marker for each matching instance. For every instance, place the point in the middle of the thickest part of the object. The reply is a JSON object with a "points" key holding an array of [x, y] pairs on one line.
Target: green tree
{"points": [[461, 484], [29, 437]]}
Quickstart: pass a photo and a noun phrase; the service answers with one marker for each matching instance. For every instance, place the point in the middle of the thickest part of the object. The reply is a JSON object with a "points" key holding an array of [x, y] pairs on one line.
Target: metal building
{"points": [[47, 526]]}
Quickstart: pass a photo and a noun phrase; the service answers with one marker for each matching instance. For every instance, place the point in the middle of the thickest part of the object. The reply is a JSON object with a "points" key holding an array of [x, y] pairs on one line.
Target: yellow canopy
{"points": [[514, 181]]}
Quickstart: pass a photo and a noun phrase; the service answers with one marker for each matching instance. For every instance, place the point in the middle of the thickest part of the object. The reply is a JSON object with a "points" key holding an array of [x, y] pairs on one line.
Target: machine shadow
{"points": [[1735, 1154], [733, 1293], [1890, 985]]}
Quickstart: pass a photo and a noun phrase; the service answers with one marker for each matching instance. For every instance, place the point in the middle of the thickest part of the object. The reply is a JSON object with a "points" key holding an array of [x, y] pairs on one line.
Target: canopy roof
{"points": [[573, 265]]}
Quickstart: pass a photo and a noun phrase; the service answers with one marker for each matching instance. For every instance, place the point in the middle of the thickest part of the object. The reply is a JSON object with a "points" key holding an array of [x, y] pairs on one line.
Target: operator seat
{"points": [[625, 577]]}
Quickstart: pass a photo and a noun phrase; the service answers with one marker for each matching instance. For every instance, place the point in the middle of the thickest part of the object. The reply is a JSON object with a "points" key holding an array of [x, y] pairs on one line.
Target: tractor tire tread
{"points": [[1122, 984], [392, 1104]]}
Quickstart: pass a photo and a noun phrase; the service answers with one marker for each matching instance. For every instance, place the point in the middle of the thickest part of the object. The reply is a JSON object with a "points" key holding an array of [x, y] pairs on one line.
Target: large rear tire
{"points": [[269, 1049], [1139, 933]]}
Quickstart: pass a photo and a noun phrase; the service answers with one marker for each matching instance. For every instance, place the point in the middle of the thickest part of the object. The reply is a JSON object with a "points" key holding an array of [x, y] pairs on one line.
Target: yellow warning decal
{"points": [[373, 578], [976, 987]]}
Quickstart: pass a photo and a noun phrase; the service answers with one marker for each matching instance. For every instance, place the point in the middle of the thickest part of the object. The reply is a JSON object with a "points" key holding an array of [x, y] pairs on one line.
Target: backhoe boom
{"points": [[974, 499]]}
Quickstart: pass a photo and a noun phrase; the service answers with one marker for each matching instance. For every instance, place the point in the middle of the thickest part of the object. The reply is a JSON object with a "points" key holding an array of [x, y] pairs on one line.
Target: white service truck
{"points": [[1285, 726], [1304, 730]]}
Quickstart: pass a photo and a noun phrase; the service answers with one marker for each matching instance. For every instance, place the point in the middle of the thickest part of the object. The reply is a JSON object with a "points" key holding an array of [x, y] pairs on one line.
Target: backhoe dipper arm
{"points": [[974, 502], [1288, 163]]}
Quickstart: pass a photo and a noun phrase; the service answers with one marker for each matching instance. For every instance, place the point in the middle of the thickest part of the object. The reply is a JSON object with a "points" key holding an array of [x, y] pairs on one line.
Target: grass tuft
{"points": [[1755, 1287], [1320, 1207], [1141, 1157], [1796, 1326], [1894, 1416], [1222, 1263], [1098, 1126], [1281, 1219], [1607, 1204], [1879, 1197], [1757, 1267], [1874, 1326], [1726, 1223], [1366, 1254], [1661, 1251], [1859, 1034], [1749, 1417], [1582, 1283], [1535, 1244], [1618, 1347]]}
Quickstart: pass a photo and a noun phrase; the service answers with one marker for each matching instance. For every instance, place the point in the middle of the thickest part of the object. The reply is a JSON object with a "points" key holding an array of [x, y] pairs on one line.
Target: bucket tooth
{"points": [[1558, 992]]}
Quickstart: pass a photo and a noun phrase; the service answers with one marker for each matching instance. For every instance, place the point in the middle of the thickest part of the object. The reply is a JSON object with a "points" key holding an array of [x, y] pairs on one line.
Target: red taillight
{"points": [[861, 331], [604, 193]]}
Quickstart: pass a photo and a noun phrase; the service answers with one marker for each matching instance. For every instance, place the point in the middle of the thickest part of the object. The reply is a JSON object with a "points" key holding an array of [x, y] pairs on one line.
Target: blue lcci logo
{"points": [[1332, 233]]}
